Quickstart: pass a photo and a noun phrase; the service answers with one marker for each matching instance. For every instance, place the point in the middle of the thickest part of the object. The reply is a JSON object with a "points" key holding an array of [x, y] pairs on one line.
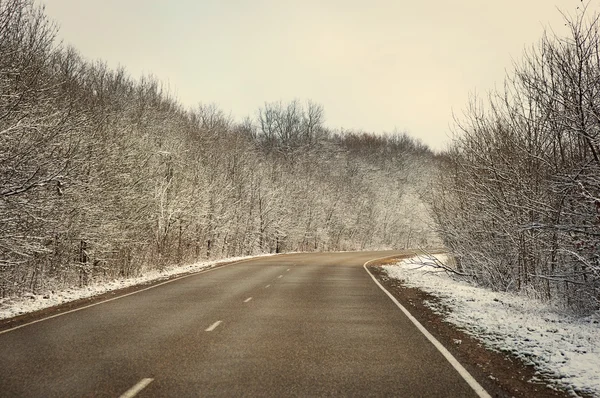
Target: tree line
{"points": [[518, 197], [103, 175]]}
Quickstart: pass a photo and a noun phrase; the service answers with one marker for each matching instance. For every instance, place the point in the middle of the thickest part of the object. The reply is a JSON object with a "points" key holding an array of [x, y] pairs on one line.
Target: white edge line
{"points": [[479, 390], [133, 391], [213, 326], [125, 295]]}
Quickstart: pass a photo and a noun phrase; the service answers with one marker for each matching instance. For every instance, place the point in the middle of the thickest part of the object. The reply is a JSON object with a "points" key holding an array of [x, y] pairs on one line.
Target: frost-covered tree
{"points": [[517, 198]]}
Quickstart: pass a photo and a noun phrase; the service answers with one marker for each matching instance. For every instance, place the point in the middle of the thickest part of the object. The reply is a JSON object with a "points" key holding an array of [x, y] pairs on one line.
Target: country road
{"points": [[288, 325]]}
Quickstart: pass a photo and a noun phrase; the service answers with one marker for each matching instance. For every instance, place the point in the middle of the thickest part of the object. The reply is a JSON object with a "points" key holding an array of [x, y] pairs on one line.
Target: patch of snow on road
{"points": [[10, 307], [563, 348]]}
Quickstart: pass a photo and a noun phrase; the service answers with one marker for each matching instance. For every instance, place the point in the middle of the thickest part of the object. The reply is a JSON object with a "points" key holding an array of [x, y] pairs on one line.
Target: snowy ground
{"points": [[10, 307], [563, 348]]}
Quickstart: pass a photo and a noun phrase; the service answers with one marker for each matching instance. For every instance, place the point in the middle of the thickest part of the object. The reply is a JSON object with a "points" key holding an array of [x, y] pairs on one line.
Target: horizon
{"points": [[378, 69]]}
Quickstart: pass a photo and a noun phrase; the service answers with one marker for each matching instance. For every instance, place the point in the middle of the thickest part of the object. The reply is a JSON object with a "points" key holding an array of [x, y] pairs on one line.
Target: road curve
{"points": [[288, 325]]}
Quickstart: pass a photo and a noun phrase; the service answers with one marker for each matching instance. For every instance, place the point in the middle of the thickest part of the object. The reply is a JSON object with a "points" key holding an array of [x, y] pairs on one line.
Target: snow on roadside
{"points": [[10, 307], [563, 348]]}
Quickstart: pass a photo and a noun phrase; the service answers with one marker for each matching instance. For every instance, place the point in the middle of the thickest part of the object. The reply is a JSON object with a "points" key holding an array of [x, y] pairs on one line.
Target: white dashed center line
{"points": [[266, 287], [133, 391], [248, 299], [213, 326], [280, 276], [287, 270]]}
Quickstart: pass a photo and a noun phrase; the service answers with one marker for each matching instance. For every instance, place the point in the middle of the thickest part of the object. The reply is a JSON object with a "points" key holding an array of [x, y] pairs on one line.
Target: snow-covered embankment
{"points": [[562, 347], [56, 295]]}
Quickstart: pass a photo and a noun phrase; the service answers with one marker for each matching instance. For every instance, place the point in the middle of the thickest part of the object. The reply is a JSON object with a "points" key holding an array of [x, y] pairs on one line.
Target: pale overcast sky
{"points": [[374, 65]]}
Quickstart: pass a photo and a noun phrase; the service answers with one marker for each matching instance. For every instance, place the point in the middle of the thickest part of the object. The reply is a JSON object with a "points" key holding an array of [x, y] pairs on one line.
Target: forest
{"points": [[104, 176], [519, 204]]}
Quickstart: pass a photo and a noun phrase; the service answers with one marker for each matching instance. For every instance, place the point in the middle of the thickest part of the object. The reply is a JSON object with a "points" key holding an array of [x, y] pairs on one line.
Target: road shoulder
{"points": [[500, 374]]}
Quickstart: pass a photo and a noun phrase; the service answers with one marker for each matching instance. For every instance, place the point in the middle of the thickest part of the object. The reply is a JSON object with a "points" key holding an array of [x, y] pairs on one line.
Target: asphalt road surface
{"points": [[289, 325]]}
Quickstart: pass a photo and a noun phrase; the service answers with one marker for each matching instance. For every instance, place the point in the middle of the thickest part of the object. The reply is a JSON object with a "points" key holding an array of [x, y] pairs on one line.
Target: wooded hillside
{"points": [[103, 175]]}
